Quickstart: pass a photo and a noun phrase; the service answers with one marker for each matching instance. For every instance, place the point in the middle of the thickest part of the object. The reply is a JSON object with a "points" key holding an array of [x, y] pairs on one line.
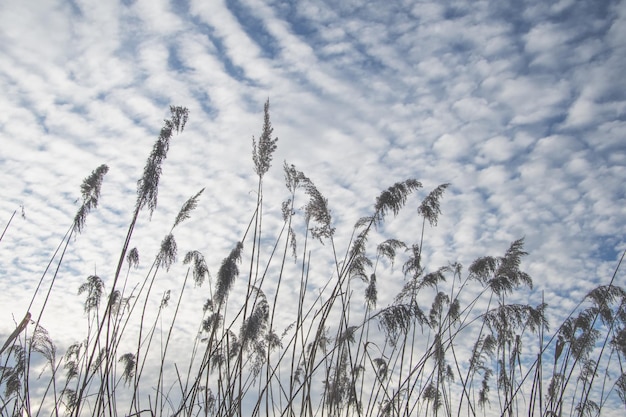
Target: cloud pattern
{"points": [[520, 105]]}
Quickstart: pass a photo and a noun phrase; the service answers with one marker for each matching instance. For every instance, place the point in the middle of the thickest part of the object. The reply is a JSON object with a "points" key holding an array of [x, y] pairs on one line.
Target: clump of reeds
{"points": [[450, 343]]}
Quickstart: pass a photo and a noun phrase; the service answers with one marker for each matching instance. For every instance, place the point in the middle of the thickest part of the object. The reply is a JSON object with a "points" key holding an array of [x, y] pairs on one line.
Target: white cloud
{"points": [[581, 113], [498, 149], [522, 114], [450, 146], [533, 100]]}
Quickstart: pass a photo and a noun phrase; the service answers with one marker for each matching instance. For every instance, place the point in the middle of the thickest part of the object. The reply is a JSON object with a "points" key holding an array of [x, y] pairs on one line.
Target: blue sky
{"points": [[520, 105]]}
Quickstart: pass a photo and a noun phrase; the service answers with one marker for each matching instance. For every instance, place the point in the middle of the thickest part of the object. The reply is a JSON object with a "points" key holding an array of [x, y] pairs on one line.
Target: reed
{"points": [[452, 342]]}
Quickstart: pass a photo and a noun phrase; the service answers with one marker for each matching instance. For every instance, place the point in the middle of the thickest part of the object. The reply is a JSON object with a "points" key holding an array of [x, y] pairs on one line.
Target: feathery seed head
{"points": [[147, 186], [187, 208], [227, 274], [90, 190], [200, 268], [429, 208], [167, 254], [263, 150], [133, 258], [393, 199], [93, 287]]}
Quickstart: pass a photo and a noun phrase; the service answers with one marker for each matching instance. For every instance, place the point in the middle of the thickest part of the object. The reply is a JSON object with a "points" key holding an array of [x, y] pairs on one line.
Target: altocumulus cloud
{"points": [[520, 105]]}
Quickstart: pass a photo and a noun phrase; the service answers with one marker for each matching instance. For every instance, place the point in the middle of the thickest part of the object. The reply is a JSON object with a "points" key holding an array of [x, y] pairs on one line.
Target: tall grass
{"points": [[452, 342]]}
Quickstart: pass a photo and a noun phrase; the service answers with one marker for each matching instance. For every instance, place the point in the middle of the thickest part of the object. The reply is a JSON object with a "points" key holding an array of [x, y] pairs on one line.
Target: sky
{"points": [[519, 105]]}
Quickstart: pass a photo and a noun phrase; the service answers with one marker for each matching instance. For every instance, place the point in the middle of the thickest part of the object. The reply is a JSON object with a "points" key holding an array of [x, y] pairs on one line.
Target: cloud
{"points": [[451, 147], [519, 106]]}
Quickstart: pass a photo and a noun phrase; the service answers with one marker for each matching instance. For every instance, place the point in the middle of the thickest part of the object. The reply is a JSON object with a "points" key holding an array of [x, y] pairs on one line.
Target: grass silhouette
{"points": [[451, 343]]}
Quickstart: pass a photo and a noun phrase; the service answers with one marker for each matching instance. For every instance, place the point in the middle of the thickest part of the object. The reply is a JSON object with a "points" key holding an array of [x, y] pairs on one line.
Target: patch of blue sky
{"points": [[114, 212], [611, 95], [76, 10], [254, 28], [387, 12], [221, 52], [358, 63], [41, 121], [160, 100], [300, 25], [74, 107], [369, 62], [454, 12], [174, 61], [20, 93], [584, 11], [462, 46], [204, 100], [535, 130], [308, 31], [251, 102], [511, 12], [180, 7], [551, 125], [607, 250], [131, 37]]}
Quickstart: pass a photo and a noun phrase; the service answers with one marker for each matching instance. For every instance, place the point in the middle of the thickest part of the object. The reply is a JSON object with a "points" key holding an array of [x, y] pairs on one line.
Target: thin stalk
{"points": [[106, 315], [273, 311], [7, 225], [169, 335], [40, 315]]}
